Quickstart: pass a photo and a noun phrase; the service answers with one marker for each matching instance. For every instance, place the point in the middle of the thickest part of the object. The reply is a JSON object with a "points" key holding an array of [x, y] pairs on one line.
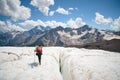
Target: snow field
{"points": [[82, 64], [25, 68], [58, 63]]}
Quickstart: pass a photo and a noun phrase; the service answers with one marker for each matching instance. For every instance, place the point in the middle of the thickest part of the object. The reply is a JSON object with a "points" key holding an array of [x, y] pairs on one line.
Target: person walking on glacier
{"points": [[38, 51]]}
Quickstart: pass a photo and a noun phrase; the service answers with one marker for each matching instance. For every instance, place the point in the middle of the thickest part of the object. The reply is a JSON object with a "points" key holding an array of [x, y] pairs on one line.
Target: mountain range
{"points": [[58, 36]]}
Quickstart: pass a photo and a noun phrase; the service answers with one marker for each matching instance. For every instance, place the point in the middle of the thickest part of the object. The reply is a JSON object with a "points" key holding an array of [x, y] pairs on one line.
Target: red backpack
{"points": [[39, 49]]}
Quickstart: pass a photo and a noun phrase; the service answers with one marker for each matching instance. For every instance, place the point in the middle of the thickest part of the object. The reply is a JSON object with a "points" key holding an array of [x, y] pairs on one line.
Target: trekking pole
{"points": [[34, 57]]}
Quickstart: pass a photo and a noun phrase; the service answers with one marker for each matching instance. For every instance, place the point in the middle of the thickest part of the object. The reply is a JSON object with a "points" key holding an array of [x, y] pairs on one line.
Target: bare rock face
{"points": [[109, 45]]}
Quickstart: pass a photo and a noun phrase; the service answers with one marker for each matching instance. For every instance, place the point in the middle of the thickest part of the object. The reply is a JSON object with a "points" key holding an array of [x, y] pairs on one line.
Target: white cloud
{"points": [[54, 24], [2, 23], [43, 5], [31, 23], [75, 23], [79, 22], [116, 24], [99, 19], [71, 9], [71, 23], [8, 26], [14, 9], [51, 13], [62, 11]]}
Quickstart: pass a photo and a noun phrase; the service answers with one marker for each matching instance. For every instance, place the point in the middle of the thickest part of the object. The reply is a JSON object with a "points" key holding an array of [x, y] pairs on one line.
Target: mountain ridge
{"points": [[109, 45], [58, 36]]}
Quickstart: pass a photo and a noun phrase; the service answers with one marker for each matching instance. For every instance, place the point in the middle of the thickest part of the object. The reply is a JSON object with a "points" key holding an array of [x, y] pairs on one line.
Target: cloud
{"points": [[71, 23], [51, 13], [116, 24], [8, 26], [99, 19], [71, 9], [14, 9], [31, 23], [62, 11], [75, 23], [78, 22], [43, 5], [2, 23], [54, 24]]}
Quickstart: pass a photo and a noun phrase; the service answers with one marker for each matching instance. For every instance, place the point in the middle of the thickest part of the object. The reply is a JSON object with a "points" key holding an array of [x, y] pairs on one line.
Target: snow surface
{"points": [[58, 63]]}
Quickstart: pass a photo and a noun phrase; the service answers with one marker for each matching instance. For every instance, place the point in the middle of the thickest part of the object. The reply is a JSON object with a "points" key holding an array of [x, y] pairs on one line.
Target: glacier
{"points": [[58, 63]]}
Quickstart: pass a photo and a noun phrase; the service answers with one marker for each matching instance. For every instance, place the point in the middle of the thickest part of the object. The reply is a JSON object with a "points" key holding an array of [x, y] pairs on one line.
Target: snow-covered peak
{"points": [[41, 28]]}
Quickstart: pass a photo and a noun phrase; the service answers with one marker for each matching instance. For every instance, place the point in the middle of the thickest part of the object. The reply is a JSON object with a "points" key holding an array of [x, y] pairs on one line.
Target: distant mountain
{"points": [[10, 28], [40, 28], [110, 45], [29, 37], [117, 33], [58, 36], [5, 38]]}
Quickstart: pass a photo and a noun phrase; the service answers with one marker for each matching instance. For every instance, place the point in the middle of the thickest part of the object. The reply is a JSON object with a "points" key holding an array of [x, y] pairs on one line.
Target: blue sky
{"points": [[101, 14]]}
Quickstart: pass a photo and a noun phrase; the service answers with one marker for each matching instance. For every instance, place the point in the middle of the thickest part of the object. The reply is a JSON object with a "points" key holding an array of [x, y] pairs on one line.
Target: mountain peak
{"points": [[84, 27], [59, 28], [39, 27]]}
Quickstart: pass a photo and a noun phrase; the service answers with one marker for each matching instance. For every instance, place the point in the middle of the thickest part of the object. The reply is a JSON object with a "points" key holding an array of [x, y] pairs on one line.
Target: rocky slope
{"points": [[109, 45]]}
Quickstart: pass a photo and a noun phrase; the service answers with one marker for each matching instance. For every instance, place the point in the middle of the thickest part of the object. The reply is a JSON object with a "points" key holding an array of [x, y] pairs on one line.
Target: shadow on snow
{"points": [[34, 64]]}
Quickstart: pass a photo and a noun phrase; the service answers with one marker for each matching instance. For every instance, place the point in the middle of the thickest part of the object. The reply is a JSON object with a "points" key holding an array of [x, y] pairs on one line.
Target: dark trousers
{"points": [[39, 57]]}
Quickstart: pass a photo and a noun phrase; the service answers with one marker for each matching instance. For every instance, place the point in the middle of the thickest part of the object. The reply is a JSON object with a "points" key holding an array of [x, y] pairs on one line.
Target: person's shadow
{"points": [[34, 64]]}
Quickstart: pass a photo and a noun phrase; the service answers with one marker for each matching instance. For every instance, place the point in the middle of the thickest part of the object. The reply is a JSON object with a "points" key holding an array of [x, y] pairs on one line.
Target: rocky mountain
{"points": [[5, 38], [109, 45], [58, 36], [117, 33]]}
